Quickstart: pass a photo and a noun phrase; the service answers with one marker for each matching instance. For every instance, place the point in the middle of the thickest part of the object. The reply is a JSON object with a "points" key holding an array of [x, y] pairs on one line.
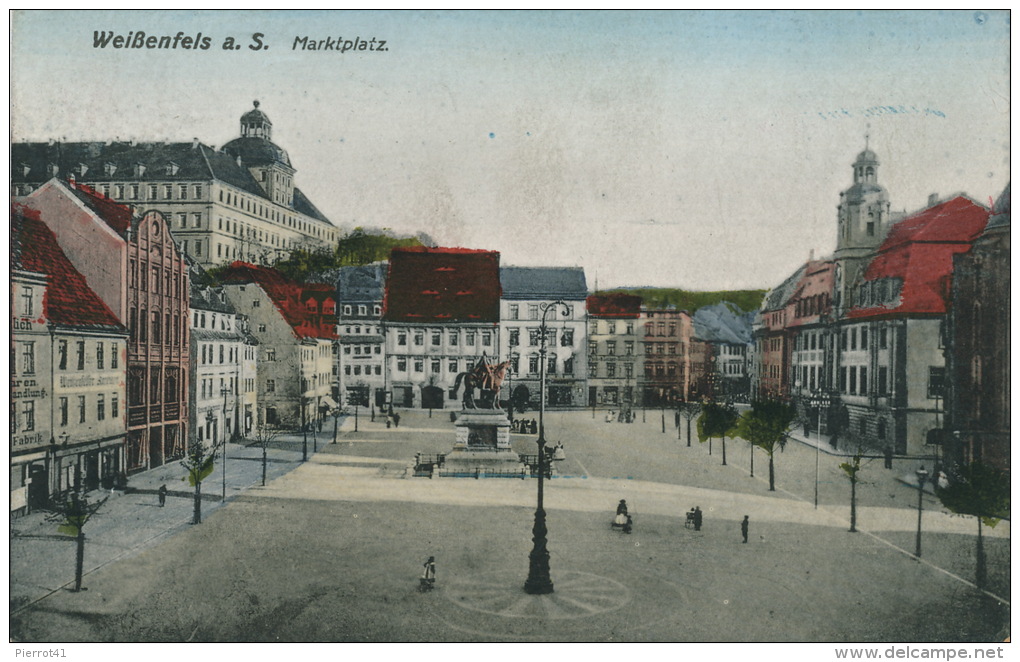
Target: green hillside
{"points": [[746, 300]]}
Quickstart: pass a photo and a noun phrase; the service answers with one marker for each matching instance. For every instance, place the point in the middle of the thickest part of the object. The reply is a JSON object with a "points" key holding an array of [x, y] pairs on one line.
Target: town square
{"points": [[511, 327]]}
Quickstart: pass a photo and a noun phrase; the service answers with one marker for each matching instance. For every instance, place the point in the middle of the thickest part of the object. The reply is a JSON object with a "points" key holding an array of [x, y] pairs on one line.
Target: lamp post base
{"points": [[539, 581]]}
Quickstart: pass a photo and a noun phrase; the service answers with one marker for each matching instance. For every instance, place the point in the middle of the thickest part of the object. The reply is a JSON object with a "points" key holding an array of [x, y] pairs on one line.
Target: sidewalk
{"points": [[823, 443], [131, 521]]}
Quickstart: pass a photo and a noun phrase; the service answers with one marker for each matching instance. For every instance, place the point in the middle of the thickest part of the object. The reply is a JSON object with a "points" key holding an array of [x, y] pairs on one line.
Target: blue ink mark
{"points": [[492, 135], [980, 17]]}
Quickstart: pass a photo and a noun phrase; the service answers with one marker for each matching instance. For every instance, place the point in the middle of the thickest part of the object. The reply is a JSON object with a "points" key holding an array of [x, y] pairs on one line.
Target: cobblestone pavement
{"points": [[330, 550]]}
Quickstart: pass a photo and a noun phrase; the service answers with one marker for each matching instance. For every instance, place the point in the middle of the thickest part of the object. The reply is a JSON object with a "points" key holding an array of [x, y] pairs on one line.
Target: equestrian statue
{"points": [[487, 378]]}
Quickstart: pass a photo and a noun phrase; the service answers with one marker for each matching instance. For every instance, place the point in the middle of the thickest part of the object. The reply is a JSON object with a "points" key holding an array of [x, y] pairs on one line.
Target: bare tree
{"points": [[73, 511], [690, 411], [851, 470], [263, 436]]}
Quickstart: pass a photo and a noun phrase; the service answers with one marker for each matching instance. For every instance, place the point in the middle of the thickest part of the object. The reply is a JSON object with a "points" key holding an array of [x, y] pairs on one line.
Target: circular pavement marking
{"points": [[576, 595]]}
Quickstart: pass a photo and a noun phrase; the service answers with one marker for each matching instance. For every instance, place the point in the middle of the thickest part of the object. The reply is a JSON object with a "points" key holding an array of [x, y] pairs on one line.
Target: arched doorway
{"points": [[431, 397]]}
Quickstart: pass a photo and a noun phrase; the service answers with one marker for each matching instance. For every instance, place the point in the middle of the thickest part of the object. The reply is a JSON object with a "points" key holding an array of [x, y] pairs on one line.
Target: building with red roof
{"points": [[295, 327], [889, 360], [134, 266], [440, 315], [68, 379]]}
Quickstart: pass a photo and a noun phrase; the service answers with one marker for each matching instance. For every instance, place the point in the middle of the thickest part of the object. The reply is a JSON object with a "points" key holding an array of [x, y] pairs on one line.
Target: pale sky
{"points": [[703, 150]]}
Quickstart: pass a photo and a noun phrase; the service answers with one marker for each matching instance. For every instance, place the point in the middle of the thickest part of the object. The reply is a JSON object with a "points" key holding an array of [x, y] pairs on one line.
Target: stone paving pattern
{"points": [[331, 549]]}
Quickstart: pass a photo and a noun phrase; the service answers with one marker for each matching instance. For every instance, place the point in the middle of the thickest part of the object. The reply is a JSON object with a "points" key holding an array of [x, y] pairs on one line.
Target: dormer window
{"points": [[82, 169], [53, 169], [140, 170], [172, 168], [109, 169], [25, 169]]}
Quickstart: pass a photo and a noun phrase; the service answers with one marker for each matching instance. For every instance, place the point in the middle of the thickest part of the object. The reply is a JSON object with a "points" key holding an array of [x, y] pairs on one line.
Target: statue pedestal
{"points": [[483, 444]]}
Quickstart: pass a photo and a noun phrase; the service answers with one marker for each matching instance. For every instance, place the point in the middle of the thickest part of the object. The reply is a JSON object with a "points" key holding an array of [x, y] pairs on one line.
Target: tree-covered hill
{"points": [[746, 300]]}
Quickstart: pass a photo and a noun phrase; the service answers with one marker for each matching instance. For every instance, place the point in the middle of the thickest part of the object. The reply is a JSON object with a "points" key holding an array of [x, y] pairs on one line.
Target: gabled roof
{"points": [[959, 219], [117, 216], [543, 283], [919, 252], [69, 301], [779, 296], [614, 305], [426, 285], [286, 295], [723, 322]]}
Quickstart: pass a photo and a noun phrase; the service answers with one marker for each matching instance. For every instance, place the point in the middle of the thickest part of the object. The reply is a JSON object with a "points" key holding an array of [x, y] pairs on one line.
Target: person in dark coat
{"points": [[888, 457], [162, 495], [428, 577], [743, 528], [629, 525], [396, 420], [697, 518]]}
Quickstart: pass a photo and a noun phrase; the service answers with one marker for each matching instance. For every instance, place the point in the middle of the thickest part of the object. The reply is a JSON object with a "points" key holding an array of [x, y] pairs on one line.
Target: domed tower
{"points": [[267, 163], [864, 218]]}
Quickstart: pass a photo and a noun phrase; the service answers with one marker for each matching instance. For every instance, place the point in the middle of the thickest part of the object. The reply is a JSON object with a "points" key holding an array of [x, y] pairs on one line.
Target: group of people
{"points": [[392, 419], [525, 426], [623, 416]]}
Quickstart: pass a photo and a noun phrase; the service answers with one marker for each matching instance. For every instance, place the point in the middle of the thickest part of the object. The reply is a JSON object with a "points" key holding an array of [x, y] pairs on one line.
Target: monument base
{"points": [[482, 446]]}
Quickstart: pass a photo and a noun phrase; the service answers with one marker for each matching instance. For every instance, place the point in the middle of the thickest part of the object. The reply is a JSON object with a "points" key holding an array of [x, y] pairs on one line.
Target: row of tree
{"points": [[976, 489]]}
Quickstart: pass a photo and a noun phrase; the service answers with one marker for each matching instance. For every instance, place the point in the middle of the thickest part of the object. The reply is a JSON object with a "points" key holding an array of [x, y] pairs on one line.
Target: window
{"points": [[842, 380], [270, 385], [454, 338], [486, 338], [551, 368], [610, 370], [853, 380], [362, 310], [62, 354], [28, 358], [81, 354], [402, 338], [114, 406], [419, 338], [437, 338], [419, 365], [864, 338], [515, 311], [401, 364], [101, 407], [26, 302], [568, 366], [63, 411], [28, 415], [196, 220], [100, 359], [593, 369], [515, 337], [533, 337], [567, 338], [628, 348], [593, 347], [611, 347], [883, 381], [883, 338], [184, 191], [156, 327], [533, 364], [593, 328], [436, 365], [81, 408], [533, 311], [864, 380], [628, 370], [469, 338], [453, 367]]}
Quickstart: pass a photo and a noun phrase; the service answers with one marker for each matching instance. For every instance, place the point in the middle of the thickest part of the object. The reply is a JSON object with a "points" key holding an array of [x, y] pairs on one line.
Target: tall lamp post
{"points": [[922, 476], [224, 391], [512, 357], [819, 400], [539, 582]]}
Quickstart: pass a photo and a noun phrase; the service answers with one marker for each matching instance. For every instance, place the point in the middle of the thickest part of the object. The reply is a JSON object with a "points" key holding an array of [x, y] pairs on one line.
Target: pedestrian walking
{"points": [[428, 577], [888, 457], [621, 514], [162, 495], [743, 528], [389, 421], [628, 525], [396, 420], [697, 518]]}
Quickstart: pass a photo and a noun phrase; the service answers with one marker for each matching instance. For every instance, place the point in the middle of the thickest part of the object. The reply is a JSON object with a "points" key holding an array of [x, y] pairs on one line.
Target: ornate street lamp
{"points": [[922, 476], [304, 429], [336, 421], [539, 582], [819, 400]]}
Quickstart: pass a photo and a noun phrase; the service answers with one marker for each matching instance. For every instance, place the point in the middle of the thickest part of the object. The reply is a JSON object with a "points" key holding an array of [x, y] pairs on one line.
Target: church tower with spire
{"points": [[864, 218]]}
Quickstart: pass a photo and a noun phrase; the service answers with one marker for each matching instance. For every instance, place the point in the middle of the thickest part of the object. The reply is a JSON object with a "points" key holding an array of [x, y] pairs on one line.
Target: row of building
{"points": [[408, 327], [124, 351], [899, 340]]}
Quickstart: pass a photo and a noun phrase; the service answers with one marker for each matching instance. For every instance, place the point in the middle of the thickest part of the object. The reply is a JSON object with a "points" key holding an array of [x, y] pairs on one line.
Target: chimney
{"points": [[933, 199], [239, 160], [811, 255], [194, 143]]}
